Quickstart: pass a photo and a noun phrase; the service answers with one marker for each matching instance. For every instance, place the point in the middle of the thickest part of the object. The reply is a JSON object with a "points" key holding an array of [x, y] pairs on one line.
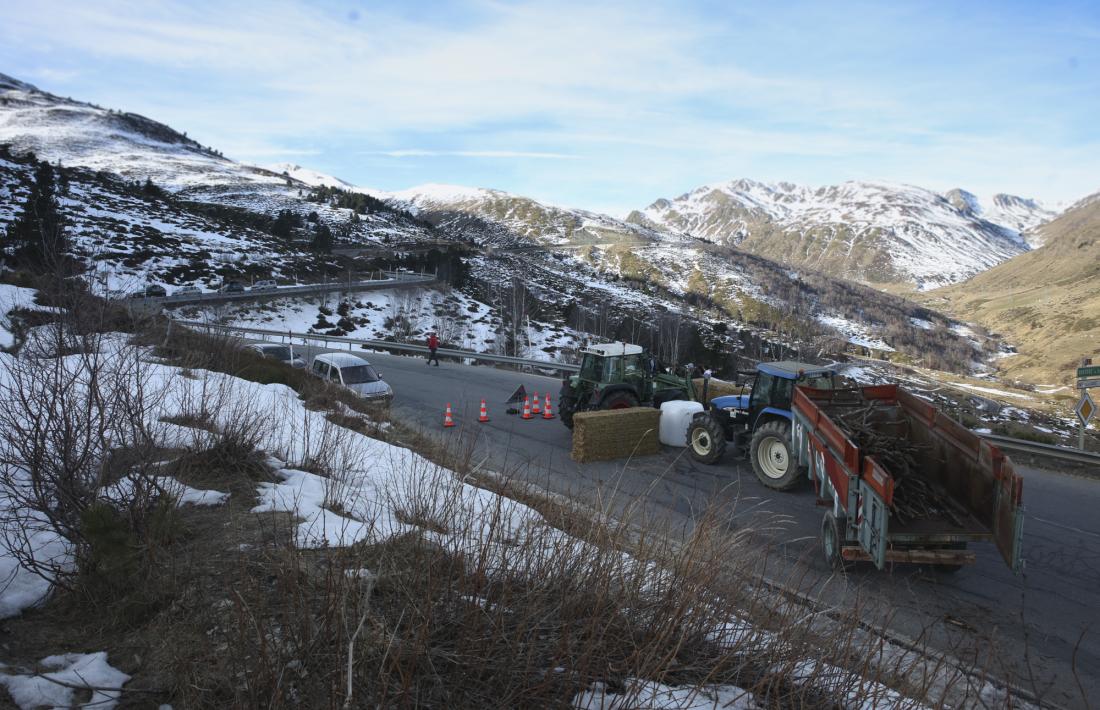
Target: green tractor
{"points": [[617, 376]]}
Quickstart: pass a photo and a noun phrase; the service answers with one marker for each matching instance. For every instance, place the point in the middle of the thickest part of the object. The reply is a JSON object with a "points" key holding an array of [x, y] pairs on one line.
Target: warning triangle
{"points": [[518, 396]]}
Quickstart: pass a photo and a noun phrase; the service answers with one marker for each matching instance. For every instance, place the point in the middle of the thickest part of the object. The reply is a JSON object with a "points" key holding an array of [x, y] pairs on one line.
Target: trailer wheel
{"points": [[831, 541], [706, 439], [772, 458]]}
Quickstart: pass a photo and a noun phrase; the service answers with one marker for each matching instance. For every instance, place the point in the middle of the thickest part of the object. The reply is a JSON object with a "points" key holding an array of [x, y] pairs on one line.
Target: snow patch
{"points": [[79, 670]]}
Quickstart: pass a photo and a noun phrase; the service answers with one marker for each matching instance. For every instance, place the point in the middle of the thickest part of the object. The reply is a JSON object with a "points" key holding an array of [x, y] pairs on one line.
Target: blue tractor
{"points": [[758, 423]]}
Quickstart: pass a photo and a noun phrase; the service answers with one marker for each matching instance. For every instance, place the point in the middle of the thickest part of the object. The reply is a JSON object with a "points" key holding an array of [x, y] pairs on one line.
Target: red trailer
{"points": [[978, 494]]}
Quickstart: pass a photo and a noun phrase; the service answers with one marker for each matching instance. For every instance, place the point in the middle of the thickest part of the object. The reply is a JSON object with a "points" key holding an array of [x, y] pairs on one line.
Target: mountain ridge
{"points": [[876, 232]]}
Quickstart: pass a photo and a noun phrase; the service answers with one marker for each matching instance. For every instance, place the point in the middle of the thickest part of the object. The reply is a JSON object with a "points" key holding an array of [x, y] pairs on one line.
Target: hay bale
{"points": [[615, 434], [717, 388]]}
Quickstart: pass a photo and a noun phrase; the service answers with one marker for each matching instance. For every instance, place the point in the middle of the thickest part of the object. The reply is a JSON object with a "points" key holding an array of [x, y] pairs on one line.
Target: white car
{"points": [[352, 372], [191, 290], [277, 351], [265, 285]]}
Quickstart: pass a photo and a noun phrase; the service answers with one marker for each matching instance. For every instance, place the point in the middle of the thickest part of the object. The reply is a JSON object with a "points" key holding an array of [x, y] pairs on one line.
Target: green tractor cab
{"points": [[758, 422], [617, 376]]}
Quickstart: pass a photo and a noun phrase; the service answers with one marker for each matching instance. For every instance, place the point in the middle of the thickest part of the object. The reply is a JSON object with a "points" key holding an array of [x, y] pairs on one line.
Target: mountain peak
{"points": [[963, 201]]}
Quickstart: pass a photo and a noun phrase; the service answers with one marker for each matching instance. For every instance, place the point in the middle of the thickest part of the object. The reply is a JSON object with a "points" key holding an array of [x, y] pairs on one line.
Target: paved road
{"points": [[1035, 620]]}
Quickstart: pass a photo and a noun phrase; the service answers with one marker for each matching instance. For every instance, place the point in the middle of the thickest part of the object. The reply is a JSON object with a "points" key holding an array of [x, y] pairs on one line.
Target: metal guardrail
{"points": [[1039, 449], [395, 280], [387, 345]]}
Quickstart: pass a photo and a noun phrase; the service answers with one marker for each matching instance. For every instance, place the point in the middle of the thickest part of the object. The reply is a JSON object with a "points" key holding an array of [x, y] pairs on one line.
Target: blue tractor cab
{"points": [[758, 421]]}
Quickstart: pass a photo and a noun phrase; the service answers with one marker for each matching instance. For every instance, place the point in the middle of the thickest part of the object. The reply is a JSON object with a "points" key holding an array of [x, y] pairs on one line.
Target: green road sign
{"points": [[1091, 371]]}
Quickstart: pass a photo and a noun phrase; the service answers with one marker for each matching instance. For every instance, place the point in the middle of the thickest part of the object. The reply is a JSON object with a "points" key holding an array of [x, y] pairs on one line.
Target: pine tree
{"points": [[37, 236], [322, 239]]}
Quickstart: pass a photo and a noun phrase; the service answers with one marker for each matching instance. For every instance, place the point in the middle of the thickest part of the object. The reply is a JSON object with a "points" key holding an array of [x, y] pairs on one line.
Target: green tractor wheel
{"points": [[567, 405], [619, 400]]}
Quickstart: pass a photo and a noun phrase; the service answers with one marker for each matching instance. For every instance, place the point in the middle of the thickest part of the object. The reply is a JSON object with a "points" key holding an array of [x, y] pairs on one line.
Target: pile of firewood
{"points": [[915, 497]]}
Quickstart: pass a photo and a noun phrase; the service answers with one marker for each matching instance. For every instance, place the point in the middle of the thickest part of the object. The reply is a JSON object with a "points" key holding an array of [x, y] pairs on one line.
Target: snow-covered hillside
{"points": [[528, 219], [873, 232], [129, 145]]}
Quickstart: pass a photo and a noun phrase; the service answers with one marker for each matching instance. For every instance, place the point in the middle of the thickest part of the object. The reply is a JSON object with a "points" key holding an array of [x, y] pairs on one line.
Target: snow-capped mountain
{"points": [[874, 232], [527, 218], [1020, 216], [315, 178]]}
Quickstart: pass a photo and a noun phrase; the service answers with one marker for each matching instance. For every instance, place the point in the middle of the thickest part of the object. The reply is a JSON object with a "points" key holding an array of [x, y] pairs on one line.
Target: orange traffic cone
{"points": [[526, 409], [535, 406], [484, 416], [547, 413], [448, 420]]}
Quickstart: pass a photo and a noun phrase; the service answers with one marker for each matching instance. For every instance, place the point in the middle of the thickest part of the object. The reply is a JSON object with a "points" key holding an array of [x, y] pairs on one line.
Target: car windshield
{"points": [[358, 374], [279, 352]]}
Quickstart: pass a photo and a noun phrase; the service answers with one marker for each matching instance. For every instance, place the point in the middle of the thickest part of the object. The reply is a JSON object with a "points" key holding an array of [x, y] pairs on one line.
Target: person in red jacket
{"points": [[433, 344]]}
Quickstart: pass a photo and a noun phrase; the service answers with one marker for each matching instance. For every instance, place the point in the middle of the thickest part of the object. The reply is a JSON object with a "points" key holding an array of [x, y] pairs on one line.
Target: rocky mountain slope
{"points": [[1045, 301], [897, 236]]}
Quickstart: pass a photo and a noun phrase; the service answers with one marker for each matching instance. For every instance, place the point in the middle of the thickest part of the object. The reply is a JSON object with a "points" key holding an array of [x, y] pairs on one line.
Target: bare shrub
{"points": [[68, 426]]}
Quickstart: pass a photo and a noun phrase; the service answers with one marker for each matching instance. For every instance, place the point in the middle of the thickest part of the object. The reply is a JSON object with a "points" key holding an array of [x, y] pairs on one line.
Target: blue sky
{"points": [[606, 106]]}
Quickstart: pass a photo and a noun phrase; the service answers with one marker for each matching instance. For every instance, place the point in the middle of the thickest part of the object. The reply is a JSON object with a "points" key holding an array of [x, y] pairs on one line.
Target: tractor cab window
{"points": [[819, 382], [612, 369], [590, 368], [782, 392], [632, 364], [771, 391], [761, 391]]}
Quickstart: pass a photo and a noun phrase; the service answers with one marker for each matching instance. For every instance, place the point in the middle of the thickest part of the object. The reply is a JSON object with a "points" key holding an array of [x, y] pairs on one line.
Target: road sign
{"points": [[1091, 371], [1085, 384], [1085, 409]]}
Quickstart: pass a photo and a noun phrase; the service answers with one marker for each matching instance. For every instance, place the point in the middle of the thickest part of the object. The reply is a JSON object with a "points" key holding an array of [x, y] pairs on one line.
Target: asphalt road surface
{"points": [[1041, 624]]}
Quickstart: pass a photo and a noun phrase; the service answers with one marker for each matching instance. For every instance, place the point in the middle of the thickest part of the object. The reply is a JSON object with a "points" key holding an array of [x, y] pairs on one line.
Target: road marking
{"points": [[1064, 527]]}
